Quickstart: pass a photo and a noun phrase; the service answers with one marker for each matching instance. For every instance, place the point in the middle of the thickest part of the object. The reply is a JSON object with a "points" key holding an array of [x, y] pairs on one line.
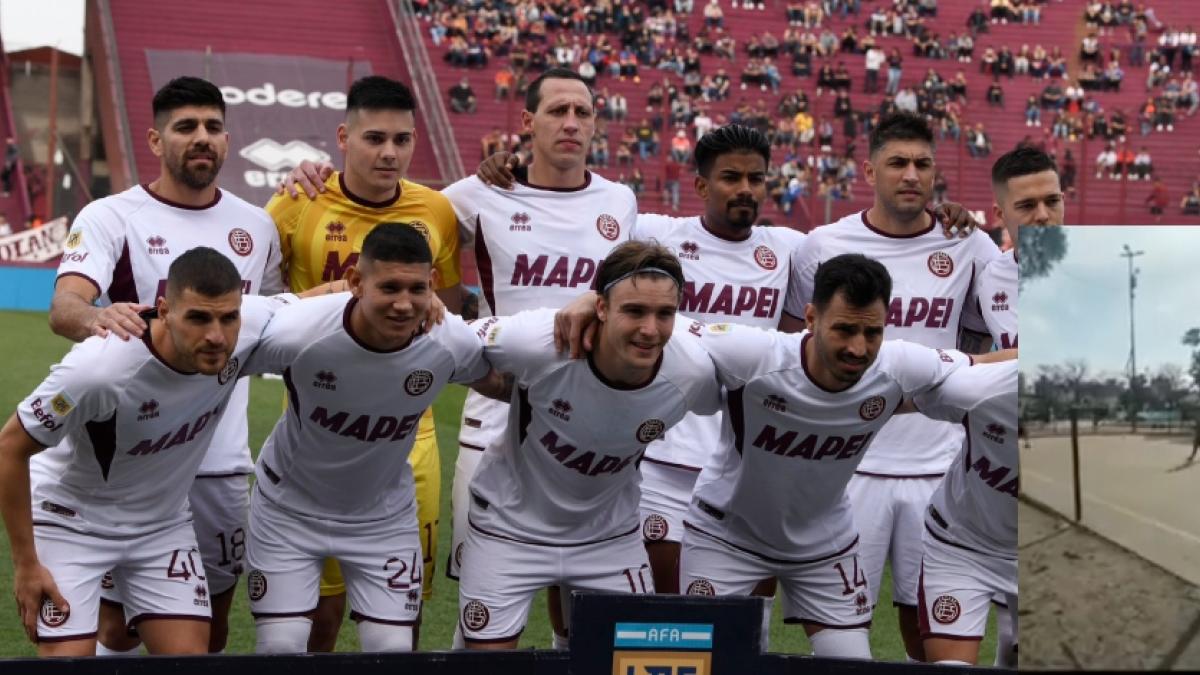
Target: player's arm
{"points": [[955, 219], [31, 581], [309, 176], [996, 356], [973, 341], [498, 169], [789, 323], [495, 385], [575, 325], [74, 316]]}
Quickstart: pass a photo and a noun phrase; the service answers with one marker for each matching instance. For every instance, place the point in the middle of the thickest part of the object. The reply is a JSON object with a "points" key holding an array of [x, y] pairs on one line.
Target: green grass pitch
{"points": [[30, 349]]}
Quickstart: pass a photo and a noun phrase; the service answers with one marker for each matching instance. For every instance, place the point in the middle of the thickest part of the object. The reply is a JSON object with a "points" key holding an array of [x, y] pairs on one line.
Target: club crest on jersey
{"points": [[689, 250], [872, 408], [561, 409], [475, 615], [1000, 302], [335, 231], [256, 585], [418, 382], [229, 372], [156, 245], [946, 609], [608, 227], [73, 240], [941, 264], [241, 242], [765, 258], [62, 404], [419, 226], [775, 402], [650, 429], [701, 587], [52, 616], [655, 527], [107, 582], [325, 379], [520, 222], [719, 328], [994, 433], [147, 410]]}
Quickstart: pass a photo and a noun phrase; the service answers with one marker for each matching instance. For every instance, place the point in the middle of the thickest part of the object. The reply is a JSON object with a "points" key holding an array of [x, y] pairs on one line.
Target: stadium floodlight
{"points": [[1129, 254]]}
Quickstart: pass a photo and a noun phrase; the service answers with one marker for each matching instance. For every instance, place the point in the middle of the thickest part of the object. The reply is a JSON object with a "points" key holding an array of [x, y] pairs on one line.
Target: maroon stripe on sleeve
{"points": [[524, 413], [483, 265], [123, 288], [737, 417], [293, 395], [103, 437]]}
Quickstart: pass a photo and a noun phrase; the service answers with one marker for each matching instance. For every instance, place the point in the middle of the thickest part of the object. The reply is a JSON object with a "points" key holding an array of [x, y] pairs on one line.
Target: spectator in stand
{"points": [[1057, 63], [895, 69], [1158, 73], [726, 48], [647, 139], [987, 63], [1142, 165], [681, 147], [588, 72], [958, 86], [1033, 112], [1158, 199], [995, 94], [702, 122], [713, 16], [671, 174], [1113, 75], [841, 77], [1053, 96], [491, 143], [805, 127], [1106, 162], [977, 22], [940, 187], [618, 106], [1164, 115], [599, 151], [1187, 49], [1002, 11], [771, 73], [1189, 94], [873, 60], [1089, 50], [841, 105], [1021, 62], [1066, 174], [12, 154], [1039, 62], [1190, 204], [462, 97], [907, 100], [1031, 12], [1146, 116], [1005, 63], [504, 81], [978, 143]]}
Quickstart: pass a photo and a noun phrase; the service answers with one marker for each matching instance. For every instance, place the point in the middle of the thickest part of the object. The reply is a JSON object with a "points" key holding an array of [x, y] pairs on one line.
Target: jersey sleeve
{"points": [[704, 390], [983, 253], [94, 245], [652, 226], [276, 326], [77, 391], [446, 259], [272, 278], [919, 368], [286, 213], [804, 260], [464, 199], [739, 353], [464, 346], [522, 344]]}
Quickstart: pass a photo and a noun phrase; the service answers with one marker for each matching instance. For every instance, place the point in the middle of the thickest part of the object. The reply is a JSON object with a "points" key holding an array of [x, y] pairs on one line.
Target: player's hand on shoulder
{"points": [[122, 319], [33, 583], [955, 219], [497, 169], [575, 326], [434, 315], [309, 176]]}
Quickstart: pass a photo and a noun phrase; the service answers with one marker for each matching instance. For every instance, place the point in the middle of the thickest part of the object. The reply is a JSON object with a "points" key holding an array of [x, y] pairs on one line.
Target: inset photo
{"points": [[1109, 526]]}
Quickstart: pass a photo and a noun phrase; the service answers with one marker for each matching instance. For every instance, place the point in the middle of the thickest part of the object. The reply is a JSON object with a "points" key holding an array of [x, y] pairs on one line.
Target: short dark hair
{"points": [[205, 271], [727, 139], [376, 92], [533, 95], [185, 91], [628, 258], [861, 279], [396, 242], [1023, 161], [901, 126]]}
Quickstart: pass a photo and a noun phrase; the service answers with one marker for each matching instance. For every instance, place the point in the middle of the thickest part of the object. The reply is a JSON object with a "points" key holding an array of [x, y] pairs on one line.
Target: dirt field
{"points": [[1087, 602]]}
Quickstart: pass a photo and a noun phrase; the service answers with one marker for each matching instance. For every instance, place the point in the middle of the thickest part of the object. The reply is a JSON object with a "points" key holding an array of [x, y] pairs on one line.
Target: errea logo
{"points": [[1000, 301]]}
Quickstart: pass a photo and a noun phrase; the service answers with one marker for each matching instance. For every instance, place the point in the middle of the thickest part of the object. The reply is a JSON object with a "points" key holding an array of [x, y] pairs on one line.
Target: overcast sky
{"points": [[1081, 310], [37, 23]]}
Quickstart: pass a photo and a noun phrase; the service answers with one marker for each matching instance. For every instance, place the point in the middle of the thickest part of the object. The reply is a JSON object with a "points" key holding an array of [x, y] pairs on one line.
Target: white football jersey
{"points": [[739, 281], [932, 291], [976, 504], [126, 432], [340, 451], [780, 489], [534, 247], [996, 293], [564, 472], [124, 244]]}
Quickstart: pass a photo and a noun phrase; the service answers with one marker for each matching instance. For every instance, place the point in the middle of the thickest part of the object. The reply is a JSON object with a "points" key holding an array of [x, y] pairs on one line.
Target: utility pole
{"points": [[1129, 254]]}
